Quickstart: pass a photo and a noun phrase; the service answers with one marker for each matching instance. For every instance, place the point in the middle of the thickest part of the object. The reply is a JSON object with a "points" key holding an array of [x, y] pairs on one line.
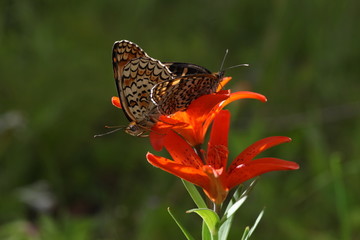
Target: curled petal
{"points": [[233, 96], [188, 173], [256, 148], [116, 102], [243, 94], [248, 170]]}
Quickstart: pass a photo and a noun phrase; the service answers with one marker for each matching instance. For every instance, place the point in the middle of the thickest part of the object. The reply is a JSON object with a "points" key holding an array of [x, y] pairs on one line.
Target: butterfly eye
{"points": [[133, 127]]}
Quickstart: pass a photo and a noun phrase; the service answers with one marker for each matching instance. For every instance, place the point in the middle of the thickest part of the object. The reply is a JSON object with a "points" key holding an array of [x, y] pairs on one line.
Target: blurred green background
{"points": [[56, 81]]}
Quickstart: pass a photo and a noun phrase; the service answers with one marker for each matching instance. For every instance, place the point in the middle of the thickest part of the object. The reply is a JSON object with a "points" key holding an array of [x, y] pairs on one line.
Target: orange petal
{"points": [[181, 151], [191, 174], [224, 81], [116, 102], [233, 96], [200, 112], [220, 129], [243, 94], [157, 137], [200, 108], [254, 149], [162, 128], [244, 172], [217, 153]]}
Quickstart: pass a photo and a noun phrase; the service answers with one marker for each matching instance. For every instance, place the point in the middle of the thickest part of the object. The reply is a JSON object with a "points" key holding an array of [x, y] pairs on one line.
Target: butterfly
{"points": [[136, 73]]}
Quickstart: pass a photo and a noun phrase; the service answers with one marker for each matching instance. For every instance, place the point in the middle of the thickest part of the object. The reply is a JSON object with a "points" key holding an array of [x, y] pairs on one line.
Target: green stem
{"points": [[217, 208]]}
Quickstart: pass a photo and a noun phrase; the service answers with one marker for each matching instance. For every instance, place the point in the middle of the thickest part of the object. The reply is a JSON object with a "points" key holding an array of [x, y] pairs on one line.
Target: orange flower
{"points": [[193, 123], [211, 173]]}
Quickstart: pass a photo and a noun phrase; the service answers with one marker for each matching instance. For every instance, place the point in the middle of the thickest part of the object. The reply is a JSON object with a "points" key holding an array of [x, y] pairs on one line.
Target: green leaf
{"points": [[211, 219], [251, 187], [206, 235], [245, 234], [195, 195], [248, 232], [227, 219], [234, 208], [237, 200], [183, 229], [225, 228], [340, 196], [237, 194], [256, 223], [235, 203]]}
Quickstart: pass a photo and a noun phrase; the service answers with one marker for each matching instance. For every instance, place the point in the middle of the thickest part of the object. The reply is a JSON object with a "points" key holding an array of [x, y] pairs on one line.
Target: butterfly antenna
{"points": [[223, 61], [235, 66], [107, 133]]}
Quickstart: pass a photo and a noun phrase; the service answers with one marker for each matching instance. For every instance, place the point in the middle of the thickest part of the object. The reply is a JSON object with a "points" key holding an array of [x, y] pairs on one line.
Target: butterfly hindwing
{"points": [[177, 94], [123, 52], [140, 75]]}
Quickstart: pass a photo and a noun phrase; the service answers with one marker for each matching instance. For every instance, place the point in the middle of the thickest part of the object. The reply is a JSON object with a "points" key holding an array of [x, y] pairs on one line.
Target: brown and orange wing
{"points": [[177, 94]]}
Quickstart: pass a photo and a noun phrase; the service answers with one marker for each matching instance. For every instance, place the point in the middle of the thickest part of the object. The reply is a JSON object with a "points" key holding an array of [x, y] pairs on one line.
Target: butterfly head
{"points": [[135, 130], [220, 74]]}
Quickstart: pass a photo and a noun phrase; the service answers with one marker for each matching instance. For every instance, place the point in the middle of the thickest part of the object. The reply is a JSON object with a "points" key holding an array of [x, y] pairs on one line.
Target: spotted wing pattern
{"points": [[123, 52], [177, 94], [140, 75]]}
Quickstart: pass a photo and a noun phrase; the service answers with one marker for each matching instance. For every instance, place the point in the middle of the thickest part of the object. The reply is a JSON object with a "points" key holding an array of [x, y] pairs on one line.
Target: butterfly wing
{"points": [[177, 94], [124, 51], [139, 76], [180, 69]]}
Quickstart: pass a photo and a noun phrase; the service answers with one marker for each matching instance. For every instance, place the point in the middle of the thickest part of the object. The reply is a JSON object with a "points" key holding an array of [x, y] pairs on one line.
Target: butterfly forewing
{"points": [[180, 69]]}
